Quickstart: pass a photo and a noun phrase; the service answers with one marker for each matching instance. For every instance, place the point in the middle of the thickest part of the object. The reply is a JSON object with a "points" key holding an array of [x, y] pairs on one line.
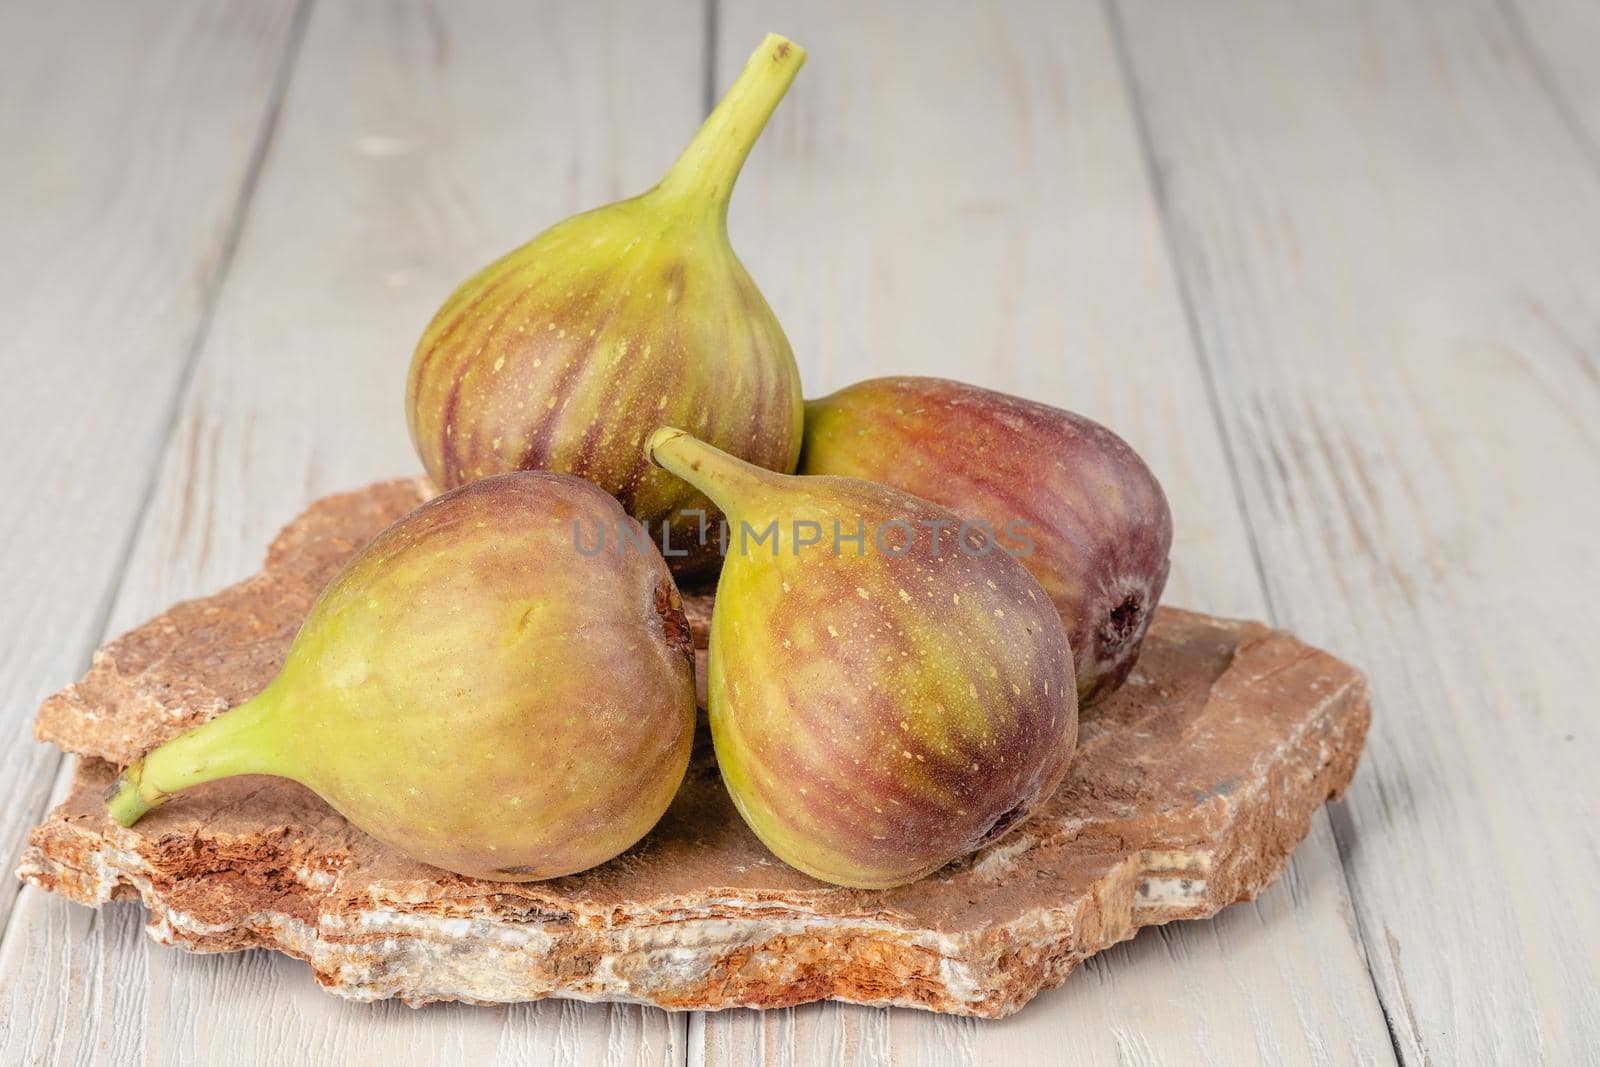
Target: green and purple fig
{"points": [[566, 353], [883, 697], [1070, 498], [473, 689]]}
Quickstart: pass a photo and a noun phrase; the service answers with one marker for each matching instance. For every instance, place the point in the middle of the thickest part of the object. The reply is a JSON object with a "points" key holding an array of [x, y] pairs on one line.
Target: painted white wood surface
{"points": [[415, 143], [1365, 234], [1561, 38], [1391, 240], [959, 189], [126, 143]]}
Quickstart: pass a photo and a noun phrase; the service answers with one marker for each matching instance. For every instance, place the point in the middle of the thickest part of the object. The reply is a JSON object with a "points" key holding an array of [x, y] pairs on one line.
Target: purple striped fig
{"points": [[473, 689], [566, 353], [883, 698], [1079, 506]]}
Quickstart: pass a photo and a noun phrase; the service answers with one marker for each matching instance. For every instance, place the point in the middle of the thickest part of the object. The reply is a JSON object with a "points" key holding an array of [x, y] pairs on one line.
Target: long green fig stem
{"points": [[240, 741], [730, 482], [710, 165]]}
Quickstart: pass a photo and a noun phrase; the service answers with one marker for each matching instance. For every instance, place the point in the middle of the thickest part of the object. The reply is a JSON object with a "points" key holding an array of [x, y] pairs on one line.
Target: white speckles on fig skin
{"points": [[564, 354], [474, 692], [876, 714], [1099, 522]]}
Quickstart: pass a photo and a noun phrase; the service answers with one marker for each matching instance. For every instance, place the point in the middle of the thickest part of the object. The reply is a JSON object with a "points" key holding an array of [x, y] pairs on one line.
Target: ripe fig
{"points": [[472, 690], [883, 699], [1077, 505], [565, 354]]}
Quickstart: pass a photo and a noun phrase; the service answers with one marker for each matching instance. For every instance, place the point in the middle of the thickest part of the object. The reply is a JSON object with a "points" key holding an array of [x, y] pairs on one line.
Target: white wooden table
{"points": [[1334, 267]]}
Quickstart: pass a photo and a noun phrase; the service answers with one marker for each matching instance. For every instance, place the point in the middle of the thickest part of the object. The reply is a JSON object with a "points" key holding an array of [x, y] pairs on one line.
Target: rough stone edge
{"points": [[803, 956]]}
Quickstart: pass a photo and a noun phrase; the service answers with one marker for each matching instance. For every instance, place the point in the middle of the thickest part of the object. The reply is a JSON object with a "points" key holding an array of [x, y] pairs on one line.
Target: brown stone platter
{"points": [[1191, 786]]}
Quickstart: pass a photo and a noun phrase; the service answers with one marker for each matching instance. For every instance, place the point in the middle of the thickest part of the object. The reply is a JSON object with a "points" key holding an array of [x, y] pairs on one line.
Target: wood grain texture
{"points": [[1386, 219], [129, 136], [958, 190], [1561, 39], [1391, 241], [416, 142]]}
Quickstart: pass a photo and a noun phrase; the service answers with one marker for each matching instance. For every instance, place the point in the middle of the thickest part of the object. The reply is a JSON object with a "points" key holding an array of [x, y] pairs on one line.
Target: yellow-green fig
{"points": [[885, 696], [564, 354], [482, 688]]}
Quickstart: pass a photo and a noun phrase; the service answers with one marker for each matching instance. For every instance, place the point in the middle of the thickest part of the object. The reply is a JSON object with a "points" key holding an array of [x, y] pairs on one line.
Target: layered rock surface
{"points": [[1191, 786]]}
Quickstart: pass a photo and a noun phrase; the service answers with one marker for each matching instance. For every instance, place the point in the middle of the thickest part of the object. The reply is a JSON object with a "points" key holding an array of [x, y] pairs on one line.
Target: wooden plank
{"points": [[129, 134], [416, 143], [958, 189], [1562, 38], [1391, 240]]}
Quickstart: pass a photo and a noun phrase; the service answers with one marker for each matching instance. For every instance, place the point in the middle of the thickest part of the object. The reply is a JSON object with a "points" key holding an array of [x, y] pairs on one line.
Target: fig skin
{"points": [[875, 715], [472, 690], [1100, 527], [565, 353]]}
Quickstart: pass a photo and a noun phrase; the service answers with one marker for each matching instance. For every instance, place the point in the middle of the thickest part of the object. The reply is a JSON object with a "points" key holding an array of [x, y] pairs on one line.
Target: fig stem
{"points": [[239, 741], [708, 168], [129, 797], [727, 480]]}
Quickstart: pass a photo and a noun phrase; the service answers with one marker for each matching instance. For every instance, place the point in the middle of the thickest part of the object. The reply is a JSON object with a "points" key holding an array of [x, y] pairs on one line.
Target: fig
{"points": [[883, 698], [473, 691], [1070, 498], [564, 354]]}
